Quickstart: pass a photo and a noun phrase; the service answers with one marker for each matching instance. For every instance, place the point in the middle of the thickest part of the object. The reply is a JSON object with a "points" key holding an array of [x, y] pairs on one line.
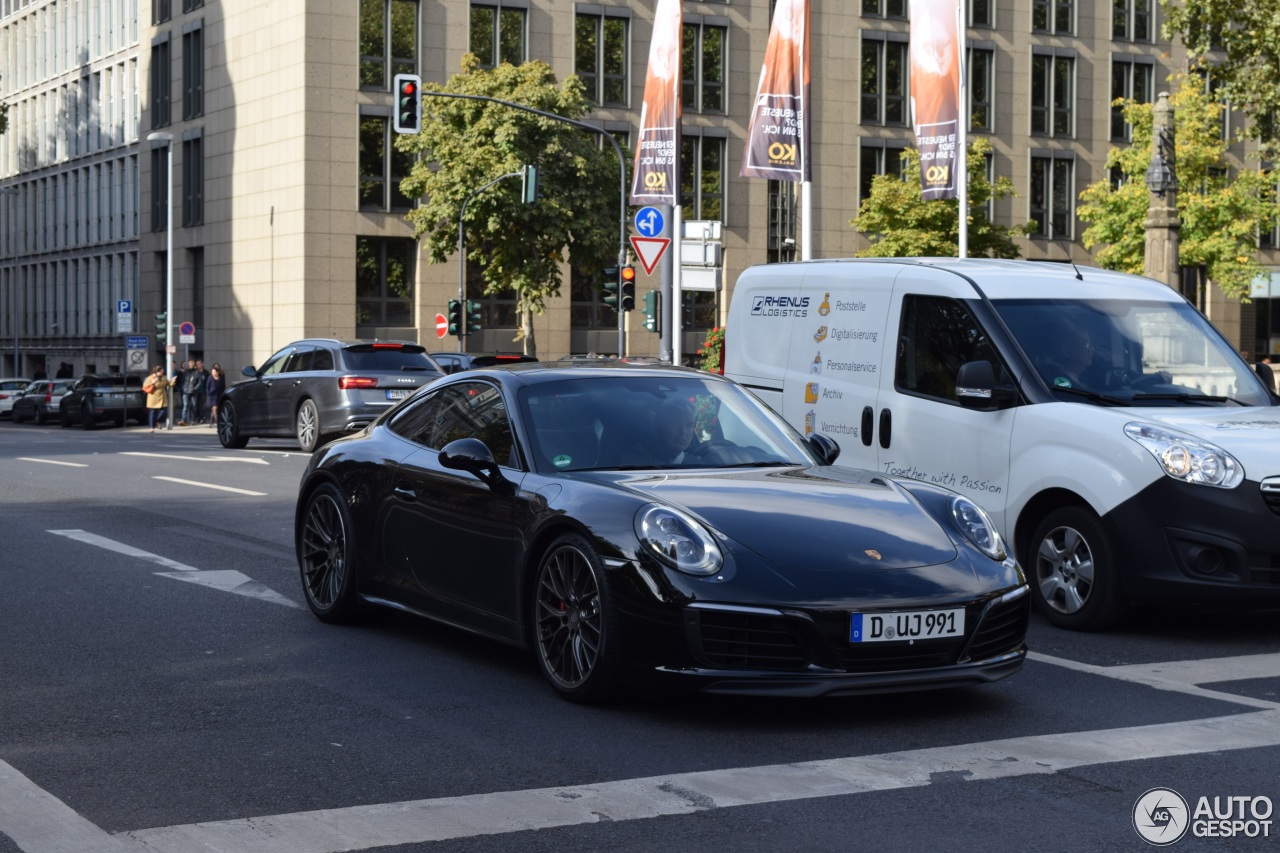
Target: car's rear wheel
{"points": [[327, 556], [308, 426], [1074, 571], [39, 416], [574, 624], [87, 417], [229, 427]]}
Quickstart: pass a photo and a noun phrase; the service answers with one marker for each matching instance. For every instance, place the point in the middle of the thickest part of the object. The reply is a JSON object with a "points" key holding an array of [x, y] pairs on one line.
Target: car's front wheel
{"points": [[308, 426], [87, 417], [327, 556], [1074, 571], [229, 427], [575, 627]]}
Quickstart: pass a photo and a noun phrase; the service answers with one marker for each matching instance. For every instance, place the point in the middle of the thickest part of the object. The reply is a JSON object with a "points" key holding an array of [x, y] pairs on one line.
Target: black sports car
{"points": [[650, 524]]}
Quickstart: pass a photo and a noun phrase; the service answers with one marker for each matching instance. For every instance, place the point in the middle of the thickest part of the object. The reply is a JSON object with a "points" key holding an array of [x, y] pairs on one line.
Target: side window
{"points": [[465, 410], [276, 363], [936, 337], [322, 360], [300, 360]]}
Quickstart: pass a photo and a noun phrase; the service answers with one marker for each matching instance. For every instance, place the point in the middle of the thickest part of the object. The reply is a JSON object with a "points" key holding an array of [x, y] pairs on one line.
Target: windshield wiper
{"points": [[1184, 397], [1092, 396]]}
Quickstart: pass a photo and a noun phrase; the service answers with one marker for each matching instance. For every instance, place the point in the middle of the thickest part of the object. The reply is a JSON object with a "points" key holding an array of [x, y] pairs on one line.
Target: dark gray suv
{"points": [[318, 388]]}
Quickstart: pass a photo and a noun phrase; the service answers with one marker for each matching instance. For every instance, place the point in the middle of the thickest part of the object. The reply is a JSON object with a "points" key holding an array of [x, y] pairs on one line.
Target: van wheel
{"points": [[1073, 571]]}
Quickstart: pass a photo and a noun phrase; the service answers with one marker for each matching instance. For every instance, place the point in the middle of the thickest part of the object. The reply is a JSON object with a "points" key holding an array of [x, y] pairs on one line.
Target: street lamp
{"points": [[13, 287], [166, 139], [1160, 259]]}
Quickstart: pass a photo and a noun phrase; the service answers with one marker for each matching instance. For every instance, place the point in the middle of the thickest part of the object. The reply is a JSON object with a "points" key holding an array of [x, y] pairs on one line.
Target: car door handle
{"points": [[886, 428], [406, 493]]}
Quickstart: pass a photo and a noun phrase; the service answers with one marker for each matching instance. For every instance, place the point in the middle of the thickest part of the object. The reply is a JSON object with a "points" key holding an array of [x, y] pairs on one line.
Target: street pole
{"points": [[1160, 259], [462, 259], [166, 139]]}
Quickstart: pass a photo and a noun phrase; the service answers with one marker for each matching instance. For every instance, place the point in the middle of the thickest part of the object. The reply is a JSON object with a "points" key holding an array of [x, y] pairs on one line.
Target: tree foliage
{"points": [[1240, 44], [902, 224], [464, 144], [1221, 209]]}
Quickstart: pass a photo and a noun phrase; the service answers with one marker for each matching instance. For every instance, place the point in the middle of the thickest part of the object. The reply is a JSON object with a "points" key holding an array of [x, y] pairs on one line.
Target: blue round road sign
{"points": [[187, 329], [649, 221]]}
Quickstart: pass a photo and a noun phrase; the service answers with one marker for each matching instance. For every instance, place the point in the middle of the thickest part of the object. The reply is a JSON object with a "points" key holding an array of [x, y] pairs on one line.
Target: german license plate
{"points": [[906, 625], [398, 393]]}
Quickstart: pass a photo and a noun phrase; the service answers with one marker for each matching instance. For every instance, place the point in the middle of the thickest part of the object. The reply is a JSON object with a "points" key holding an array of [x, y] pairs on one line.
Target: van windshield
{"points": [[1130, 352]]}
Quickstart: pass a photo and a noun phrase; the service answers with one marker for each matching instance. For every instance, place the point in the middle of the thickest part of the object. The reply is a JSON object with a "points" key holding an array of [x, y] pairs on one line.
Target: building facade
{"points": [[287, 219]]}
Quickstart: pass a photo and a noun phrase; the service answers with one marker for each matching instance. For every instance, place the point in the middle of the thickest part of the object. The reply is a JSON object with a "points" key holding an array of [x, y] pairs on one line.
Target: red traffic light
{"points": [[407, 87]]}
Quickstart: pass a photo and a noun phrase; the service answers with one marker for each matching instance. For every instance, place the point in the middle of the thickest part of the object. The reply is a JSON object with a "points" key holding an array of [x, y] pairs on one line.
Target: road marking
{"points": [[421, 821], [1176, 676], [121, 548], [52, 462], [251, 459], [38, 822], [211, 486]]}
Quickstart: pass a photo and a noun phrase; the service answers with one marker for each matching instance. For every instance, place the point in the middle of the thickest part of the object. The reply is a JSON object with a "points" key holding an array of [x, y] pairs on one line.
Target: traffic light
{"points": [[530, 188], [473, 316], [609, 280], [408, 108], [162, 329], [628, 289], [652, 305], [455, 317]]}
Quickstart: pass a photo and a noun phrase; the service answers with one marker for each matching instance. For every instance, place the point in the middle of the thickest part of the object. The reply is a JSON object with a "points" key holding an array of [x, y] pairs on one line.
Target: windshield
{"points": [[1130, 352], [634, 422]]}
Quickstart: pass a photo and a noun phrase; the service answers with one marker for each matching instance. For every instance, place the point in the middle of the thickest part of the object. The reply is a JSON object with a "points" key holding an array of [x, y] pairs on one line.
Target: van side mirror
{"points": [[976, 387]]}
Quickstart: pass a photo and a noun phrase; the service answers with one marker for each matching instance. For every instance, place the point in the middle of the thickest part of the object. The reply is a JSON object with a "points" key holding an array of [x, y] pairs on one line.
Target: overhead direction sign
{"points": [[649, 250]]}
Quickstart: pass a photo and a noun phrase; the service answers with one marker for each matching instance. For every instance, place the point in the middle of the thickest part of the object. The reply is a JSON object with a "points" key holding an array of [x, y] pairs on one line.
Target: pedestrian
{"points": [[157, 389], [213, 389], [188, 381], [1265, 372], [202, 378]]}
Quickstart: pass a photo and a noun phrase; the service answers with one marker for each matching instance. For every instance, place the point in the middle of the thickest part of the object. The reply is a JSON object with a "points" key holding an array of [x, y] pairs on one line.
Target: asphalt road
{"points": [[163, 688]]}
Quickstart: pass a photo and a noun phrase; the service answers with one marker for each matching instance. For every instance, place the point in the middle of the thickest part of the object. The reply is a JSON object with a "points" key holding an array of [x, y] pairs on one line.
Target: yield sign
{"points": [[649, 250], [442, 325]]}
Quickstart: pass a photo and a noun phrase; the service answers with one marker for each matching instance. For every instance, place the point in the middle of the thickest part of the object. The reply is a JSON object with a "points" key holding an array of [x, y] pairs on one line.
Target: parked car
{"points": [[40, 400], [454, 362], [10, 388], [519, 504], [317, 389], [97, 397]]}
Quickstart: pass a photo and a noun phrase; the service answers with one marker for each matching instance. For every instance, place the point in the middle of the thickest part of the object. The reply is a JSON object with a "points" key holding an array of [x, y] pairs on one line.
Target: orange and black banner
{"points": [[657, 172], [778, 135], [935, 94]]}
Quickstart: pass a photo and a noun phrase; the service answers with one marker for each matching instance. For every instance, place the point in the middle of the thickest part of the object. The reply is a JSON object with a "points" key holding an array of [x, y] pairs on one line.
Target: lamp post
{"points": [[166, 139], [13, 286], [1160, 260]]}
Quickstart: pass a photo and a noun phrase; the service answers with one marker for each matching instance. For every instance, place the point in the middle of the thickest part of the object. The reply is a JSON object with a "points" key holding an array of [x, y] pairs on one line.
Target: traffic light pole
{"points": [[462, 257], [622, 182]]}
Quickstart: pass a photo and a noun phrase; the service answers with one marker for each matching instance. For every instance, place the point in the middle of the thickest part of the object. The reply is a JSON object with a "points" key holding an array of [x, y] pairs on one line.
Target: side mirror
{"points": [[474, 456], [250, 371], [976, 387], [825, 446]]}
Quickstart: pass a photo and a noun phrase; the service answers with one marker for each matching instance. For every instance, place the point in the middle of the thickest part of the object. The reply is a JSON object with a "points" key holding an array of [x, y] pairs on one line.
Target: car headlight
{"points": [[976, 526], [1187, 458], [678, 540]]}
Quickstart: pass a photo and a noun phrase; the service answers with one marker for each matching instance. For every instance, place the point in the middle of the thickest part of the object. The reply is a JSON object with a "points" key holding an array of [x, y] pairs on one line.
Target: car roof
{"points": [[535, 372]]}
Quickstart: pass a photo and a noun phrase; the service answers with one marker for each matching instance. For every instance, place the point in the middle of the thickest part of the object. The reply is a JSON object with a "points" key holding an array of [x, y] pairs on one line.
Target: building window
{"points": [[703, 49], [1053, 16], [982, 13], [159, 188], [1131, 80], [497, 34], [384, 283], [884, 8], [877, 157], [702, 177], [1131, 20], [1053, 196], [191, 5], [884, 81], [161, 11], [382, 167], [388, 41], [192, 181], [161, 84], [193, 74], [600, 58], [783, 213], [1052, 100], [982, 63]]}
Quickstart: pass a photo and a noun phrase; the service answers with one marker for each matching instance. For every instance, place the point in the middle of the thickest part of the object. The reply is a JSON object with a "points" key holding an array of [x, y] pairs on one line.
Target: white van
{"points": [[1122, 446]]}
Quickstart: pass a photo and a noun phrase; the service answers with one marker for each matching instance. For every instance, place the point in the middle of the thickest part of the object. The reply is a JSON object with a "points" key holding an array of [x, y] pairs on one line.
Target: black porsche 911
{"points": [[660, 526]]}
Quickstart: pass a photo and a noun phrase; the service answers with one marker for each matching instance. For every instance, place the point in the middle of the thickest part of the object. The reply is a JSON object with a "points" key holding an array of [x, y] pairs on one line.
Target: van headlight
{"points": [[975, 524], [678, 540], [1187, 458]]}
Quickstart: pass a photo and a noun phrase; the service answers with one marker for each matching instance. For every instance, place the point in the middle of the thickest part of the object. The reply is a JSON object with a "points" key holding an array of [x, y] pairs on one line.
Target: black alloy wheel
{"points": [[575, 627], [1073, 570], [308, 426], [327, 556], [228, 428], [87, 416]]}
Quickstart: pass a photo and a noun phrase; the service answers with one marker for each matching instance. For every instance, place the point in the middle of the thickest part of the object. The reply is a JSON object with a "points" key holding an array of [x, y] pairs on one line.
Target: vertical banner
{"points": [[935, 94], [778, 135], [658, 151]]}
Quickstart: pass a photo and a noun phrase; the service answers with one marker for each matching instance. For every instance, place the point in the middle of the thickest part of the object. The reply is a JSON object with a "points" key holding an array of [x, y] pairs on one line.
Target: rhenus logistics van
{"points": [[1121, 445]]}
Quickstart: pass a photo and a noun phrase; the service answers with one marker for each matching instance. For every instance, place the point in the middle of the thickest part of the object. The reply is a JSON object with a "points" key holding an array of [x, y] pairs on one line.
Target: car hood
{"points": [[817, 520], [1251, 435]]}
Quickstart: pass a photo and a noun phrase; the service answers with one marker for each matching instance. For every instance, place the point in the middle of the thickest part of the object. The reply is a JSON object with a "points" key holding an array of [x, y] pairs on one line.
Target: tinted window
{"points": [[322, 359], [938, 335], [300, 360], [467, 410], [381, 358]]}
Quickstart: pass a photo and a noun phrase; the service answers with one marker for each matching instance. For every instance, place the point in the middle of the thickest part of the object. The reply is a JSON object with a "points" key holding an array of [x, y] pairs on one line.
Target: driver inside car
{"points": [[673, 434]]}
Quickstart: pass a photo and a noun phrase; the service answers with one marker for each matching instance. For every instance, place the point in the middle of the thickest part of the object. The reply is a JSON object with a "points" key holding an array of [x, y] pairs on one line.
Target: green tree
{"points": [[1245, 63], [464, 144], [902, 224], [1221, 208]]}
